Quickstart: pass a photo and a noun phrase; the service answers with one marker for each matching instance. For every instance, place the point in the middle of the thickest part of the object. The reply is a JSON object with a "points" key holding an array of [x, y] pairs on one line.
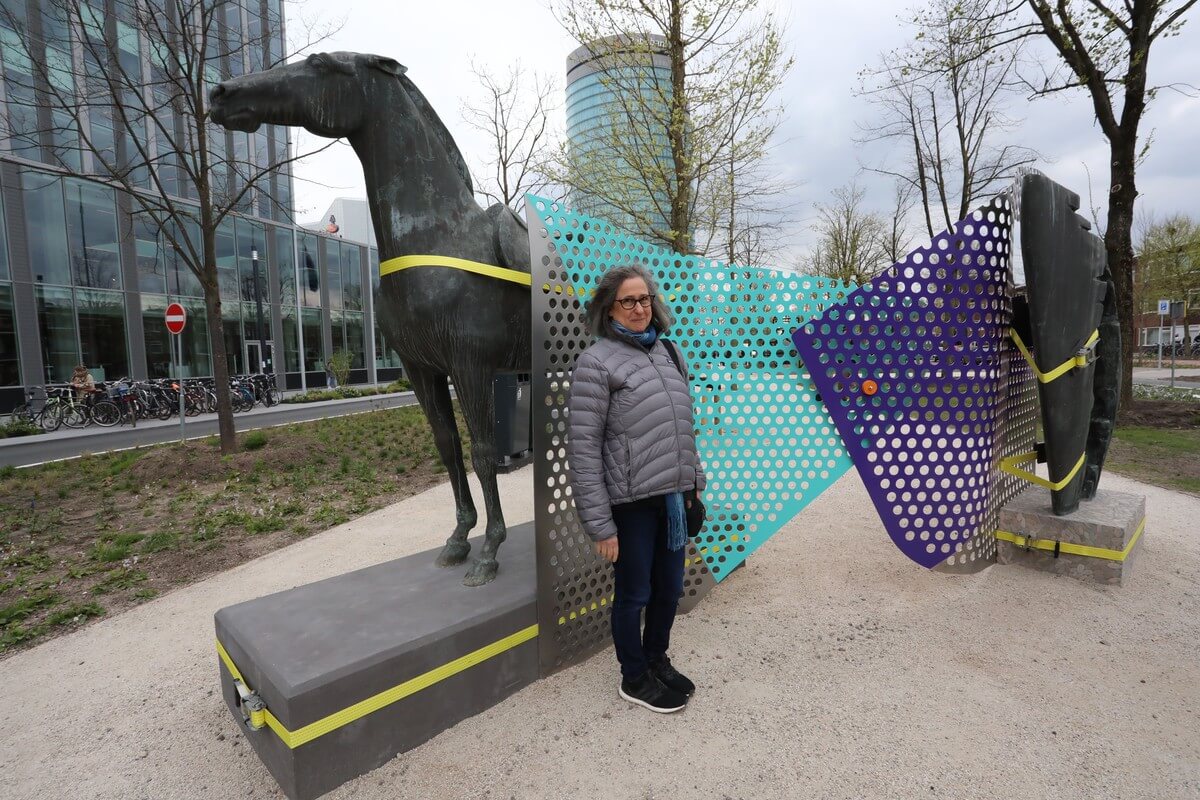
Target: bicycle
{"points": [[45, 417]]}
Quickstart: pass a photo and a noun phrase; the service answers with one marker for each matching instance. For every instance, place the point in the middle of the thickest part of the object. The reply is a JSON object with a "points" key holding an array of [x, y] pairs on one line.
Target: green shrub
{"points": [[339, 364], [399, 385], [23, 427], [255, 440]]}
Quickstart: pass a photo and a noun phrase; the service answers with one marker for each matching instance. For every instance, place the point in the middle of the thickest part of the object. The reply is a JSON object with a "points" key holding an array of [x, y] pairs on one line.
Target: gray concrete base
{"points": [[1109, 521], [316, 650]]}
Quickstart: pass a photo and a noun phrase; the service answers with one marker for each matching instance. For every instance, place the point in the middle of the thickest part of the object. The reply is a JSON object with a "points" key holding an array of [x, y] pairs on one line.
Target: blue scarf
{"points": [[676, 515]]}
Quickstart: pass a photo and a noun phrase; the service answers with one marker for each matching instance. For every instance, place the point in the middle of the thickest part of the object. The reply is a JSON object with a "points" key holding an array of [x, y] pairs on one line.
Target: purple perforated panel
{"points": [[909, 367]]}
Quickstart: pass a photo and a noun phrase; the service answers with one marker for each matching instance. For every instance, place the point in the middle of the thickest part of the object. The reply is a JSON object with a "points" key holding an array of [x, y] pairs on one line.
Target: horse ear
{"points": [[389, 65]]}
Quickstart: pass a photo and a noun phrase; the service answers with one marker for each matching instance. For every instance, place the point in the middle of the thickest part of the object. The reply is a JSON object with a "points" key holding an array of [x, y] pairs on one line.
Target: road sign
{"points": [[1164, 307], [176, 318]]}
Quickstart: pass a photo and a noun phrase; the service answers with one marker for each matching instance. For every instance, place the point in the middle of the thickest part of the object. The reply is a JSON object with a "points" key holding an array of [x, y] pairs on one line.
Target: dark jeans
{"points": [[647, 576]]}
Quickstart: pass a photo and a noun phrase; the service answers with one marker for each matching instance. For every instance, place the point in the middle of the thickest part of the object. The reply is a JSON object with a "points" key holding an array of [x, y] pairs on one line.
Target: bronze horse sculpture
{"points": [[445, 323]]}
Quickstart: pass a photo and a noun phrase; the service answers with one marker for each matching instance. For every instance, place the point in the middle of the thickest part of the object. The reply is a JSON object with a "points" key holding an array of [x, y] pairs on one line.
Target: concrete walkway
{"points": [[830, 667]]}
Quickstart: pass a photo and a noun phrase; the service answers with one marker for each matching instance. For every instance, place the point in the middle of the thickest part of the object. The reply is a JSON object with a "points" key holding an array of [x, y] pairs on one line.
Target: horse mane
{"points": [[439, 130]]}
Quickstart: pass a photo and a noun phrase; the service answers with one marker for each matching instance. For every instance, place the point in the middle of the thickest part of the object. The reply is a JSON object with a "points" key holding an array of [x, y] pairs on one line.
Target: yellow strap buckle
{"points": [[1085, 356], [1032, 543], [1009, 465]]}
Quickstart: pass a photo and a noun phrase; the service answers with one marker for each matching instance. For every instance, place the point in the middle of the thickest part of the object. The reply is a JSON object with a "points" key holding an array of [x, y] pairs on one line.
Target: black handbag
{"points": [[693, 506]]}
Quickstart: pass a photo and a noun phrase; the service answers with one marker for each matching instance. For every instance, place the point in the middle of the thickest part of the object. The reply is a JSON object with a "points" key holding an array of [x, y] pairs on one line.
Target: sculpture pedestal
{"points": [[355, 669], [1097, 543]]}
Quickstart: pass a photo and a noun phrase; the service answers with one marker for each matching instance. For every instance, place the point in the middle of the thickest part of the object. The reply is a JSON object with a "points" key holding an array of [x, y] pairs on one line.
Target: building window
{"points": [[151, 264], [197, 359], [354, 339], [92, 230], [160, 352], [10, 362], [314, 350], [310, 274], [285, 259], [56, 325], [5, 275], [102, 333], [45, 225], [333, 275], [181, 280], [227, 271], [250, 238], [352, 277], [231, 327], [291, 339]]}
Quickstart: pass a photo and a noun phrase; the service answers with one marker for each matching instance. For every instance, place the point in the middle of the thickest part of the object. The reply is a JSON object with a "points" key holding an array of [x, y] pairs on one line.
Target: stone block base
{"points": [[339, 676], [1098, 543]]}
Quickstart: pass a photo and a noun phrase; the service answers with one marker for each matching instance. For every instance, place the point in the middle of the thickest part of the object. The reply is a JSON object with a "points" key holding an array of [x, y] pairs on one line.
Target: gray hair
{"points": [[596, 312]]}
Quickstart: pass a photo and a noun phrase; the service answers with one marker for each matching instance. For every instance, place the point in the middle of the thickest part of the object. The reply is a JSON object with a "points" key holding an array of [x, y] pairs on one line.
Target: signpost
{"points": [[1176, 315], [176, 319], [1164, 308]]}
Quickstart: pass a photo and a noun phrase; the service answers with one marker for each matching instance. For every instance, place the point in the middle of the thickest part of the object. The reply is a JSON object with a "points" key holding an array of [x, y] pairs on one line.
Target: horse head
{"points": [[328, 94], [337, 95]]}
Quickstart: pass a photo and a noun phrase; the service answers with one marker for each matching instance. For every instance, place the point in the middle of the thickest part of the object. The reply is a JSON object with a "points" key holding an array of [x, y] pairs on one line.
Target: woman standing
{"points": [[634, 469]]}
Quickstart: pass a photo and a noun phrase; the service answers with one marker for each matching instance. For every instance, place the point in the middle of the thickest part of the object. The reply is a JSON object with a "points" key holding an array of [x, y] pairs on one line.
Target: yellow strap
{"points": [[1071, 363], [296, 738], [1074, 549], [405, 262], [1009, 466]]}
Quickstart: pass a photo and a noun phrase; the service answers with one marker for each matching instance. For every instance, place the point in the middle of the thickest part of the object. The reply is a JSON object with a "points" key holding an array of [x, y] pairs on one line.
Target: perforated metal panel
{"points": [[768, 445], [914, 369]]}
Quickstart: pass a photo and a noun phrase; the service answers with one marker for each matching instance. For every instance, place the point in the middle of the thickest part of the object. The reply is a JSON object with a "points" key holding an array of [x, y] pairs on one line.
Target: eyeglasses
{"points": [[628, 303]]}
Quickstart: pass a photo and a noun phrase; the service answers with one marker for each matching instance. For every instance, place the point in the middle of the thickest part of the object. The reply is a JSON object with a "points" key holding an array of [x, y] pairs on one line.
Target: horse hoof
{"points": [[453, 554], [482, 572]]}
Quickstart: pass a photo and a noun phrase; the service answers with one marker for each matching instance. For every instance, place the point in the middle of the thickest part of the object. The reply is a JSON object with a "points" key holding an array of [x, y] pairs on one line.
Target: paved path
{"points": [[70, 443], [1153, 376], [829, 667]]}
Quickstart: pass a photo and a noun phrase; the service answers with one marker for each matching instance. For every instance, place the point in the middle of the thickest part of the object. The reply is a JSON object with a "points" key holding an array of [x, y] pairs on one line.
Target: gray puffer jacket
{"points": [[631, 433]]}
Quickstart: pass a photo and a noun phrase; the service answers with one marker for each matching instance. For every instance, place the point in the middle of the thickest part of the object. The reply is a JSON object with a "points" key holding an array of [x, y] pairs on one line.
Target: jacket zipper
{"points": [[674, 418]]}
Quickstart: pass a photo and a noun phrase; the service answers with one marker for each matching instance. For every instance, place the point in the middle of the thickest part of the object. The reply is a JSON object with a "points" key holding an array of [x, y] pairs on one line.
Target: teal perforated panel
{"points": [[767, 442]]}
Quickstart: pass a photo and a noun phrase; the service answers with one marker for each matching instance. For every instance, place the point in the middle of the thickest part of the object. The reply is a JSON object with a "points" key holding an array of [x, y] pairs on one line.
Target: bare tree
{"points": [[943, 97], [689, 95], [121, 97], [513, 112], [1104, 49], [852, 242]]}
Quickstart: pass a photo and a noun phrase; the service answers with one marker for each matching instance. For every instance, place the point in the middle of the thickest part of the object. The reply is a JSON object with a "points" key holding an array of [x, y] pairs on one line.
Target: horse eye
{"points": [[316, 61]]}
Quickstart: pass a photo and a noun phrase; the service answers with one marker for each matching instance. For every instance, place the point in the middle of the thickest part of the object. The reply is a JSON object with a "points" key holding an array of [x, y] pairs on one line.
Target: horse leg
{"points": [[478, 403], [434, 396]]}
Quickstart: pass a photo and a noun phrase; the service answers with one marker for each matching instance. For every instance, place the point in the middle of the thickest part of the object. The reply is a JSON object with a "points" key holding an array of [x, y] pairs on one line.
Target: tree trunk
{"points": [[1118, 243], [216, 340], [681, 198]]}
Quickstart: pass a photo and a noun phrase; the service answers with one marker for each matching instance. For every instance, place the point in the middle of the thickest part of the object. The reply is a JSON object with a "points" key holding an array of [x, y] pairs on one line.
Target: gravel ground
{"points": [[830, 667]]}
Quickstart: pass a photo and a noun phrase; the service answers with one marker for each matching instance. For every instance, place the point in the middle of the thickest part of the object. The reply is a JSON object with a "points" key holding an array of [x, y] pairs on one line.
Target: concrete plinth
{"points": [[403, 641], [1097, 543]]}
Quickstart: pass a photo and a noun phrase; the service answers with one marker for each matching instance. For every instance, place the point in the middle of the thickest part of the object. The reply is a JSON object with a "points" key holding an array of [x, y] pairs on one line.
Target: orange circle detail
{"points": [[869, 387]]}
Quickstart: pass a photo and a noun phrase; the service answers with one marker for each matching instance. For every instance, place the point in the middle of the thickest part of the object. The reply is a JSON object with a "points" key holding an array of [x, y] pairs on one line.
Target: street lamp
{"points": [[262, 338]]}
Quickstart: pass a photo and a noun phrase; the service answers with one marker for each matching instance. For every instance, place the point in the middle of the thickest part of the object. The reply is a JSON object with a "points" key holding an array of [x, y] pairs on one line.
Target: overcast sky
{"points": [[831, 41]]}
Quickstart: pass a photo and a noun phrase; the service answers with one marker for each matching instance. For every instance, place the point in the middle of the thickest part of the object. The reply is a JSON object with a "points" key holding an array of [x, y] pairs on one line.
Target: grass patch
{"points": [[1163, 457], [177, 513], [255, 440]]}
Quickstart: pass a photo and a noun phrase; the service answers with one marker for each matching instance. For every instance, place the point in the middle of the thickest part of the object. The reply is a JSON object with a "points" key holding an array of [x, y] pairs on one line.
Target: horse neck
{"points": [[401, 161]]}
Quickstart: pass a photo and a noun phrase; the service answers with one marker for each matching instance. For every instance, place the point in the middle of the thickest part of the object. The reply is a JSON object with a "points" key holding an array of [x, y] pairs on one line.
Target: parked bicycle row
{"points": [[127, 401]]}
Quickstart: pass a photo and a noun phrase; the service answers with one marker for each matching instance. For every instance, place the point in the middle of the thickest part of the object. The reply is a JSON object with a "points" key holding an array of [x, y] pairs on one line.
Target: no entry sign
{"points": [[176, 318]]}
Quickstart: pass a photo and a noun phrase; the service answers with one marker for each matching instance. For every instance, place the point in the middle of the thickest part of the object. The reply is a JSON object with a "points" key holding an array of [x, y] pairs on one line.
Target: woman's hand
{"points": [[607, 548]]}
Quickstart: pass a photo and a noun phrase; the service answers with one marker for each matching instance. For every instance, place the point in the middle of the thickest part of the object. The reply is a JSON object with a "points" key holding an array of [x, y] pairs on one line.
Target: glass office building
{"points": [[86, 278], [596, 73]]}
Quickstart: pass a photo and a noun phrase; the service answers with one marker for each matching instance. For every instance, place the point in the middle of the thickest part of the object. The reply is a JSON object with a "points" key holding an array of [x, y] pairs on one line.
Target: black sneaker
{"points": [[671, 678], [648, 691]]}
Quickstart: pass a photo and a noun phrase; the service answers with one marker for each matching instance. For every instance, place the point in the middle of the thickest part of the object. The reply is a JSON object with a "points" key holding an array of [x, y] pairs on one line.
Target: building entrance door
{"points": [[255, 361]]}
